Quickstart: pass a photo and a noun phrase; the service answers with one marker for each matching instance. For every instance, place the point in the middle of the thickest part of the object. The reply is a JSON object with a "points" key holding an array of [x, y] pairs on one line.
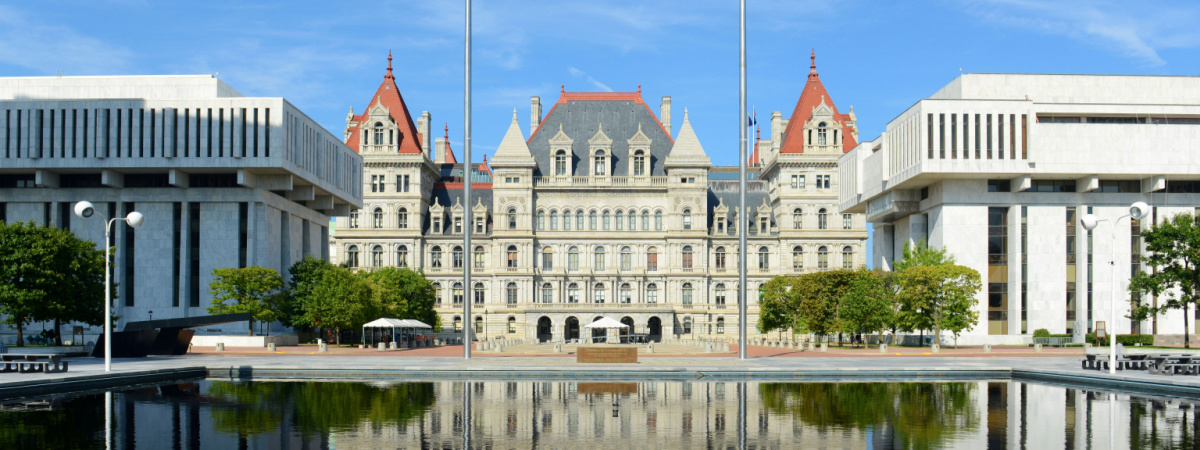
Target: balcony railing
{"points": [[618, 182]]}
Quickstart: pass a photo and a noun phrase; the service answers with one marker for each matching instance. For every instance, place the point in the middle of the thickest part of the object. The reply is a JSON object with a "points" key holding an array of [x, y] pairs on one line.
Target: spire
{"points": [[513, 151], [687, 150], [812, 69], [389, 75], [446, 130]]}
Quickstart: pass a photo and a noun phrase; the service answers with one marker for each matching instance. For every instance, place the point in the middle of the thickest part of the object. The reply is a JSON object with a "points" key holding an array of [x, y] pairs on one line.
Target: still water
{"points": [[557, 414]]}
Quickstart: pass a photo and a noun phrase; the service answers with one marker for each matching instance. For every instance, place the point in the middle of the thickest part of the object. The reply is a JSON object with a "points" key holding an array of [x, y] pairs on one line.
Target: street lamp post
{"points": [[1136, 211], [85, 210]]}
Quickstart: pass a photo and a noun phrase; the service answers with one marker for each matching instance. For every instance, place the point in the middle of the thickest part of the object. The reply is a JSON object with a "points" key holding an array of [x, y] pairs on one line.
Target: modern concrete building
{"points": [[601, 212], [223, 180], [998, 169]]}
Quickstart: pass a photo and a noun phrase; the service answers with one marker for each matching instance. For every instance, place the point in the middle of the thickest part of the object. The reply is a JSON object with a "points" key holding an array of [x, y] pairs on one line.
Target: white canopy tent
{"points": [[606, 323], [408, 328]]}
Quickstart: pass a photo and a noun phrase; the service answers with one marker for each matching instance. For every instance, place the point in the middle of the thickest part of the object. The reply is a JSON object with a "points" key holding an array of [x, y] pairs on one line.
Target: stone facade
{"points": [[601, 212]]}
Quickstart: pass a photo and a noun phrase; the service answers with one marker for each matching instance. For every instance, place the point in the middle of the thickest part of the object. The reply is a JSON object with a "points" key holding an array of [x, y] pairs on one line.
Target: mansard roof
{"points": [[389, 96], [814, 95], [580, 115]]}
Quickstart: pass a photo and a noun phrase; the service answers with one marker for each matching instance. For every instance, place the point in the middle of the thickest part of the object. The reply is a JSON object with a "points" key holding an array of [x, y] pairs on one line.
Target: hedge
{"points": [[1124, 339]]}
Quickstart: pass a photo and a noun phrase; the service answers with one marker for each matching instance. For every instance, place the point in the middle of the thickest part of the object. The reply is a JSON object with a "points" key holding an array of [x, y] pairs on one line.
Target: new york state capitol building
{"points": [[602, 211]]}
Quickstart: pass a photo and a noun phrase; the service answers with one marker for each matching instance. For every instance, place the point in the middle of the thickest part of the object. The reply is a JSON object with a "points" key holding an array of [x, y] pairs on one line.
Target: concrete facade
{"points": [[223, 180], [998, 169]]}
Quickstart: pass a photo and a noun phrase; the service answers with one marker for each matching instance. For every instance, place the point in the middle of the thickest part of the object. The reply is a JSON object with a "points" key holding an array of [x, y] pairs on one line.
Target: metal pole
{"points": [[1112, 303], [742, 298], [107, 298], [467, 322]]}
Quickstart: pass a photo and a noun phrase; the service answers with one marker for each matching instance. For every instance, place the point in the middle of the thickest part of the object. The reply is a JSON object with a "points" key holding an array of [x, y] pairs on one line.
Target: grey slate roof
{"points": [[447, 198], [727, 190], [580, 119]]}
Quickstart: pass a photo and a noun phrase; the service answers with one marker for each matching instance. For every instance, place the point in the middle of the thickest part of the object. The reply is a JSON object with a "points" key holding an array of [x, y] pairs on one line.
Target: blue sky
{"points": [[327, 57]]}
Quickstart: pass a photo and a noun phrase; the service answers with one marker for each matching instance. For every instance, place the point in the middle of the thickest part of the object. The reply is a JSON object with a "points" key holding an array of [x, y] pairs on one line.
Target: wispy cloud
{"points": [[25, 41], [581, 74], [1133, 29]]}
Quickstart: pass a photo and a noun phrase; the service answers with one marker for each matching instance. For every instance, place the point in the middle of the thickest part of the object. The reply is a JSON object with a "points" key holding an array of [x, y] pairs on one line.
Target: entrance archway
{"points": [[543, 329], [571, 329], [598, 334], [628, 332], [655, 326]]}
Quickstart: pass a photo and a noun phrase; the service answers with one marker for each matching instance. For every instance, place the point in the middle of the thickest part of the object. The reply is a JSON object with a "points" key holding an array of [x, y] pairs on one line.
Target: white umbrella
{"points": [[606, 322]]}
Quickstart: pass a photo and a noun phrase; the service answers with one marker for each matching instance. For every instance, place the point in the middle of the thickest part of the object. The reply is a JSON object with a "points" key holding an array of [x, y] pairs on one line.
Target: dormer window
{"points": [[560, 163], [821, 133], [378, 133], [458, 225], [601, 163], [639, 163], [763, 225], [437, 224]]}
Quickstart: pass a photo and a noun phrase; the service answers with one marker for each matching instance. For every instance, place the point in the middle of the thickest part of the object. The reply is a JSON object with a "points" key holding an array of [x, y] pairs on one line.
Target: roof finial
{"points": [[389, 69], [446, 129], [562, 89], [812, 72], [639, 89]]}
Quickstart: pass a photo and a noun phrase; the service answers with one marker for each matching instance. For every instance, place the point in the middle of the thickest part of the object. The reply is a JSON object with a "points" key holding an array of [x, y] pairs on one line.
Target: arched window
{"points": [[458, 257], [822, 219], [354, 219], [579, 220], [686, 294], [437, 293], [378, 133], [512, 256], [606, 219], [458, 324], [645, 220], [822, 257], [512, 218], [847, 257], [598, 293], [632, 220], [721, 325], [639, 163], [651, 293], [480, 256], [764, 258], [687, 219], [512, 325], [626, 258], [435, 257], [541, 220], [479, 295], [478, 324], [352, 256], [377, 256], [601, 164], [510, 294], [626, 295], [687, 325], [553, 220], [797, 257], [687, 257], [377, 218], [547, 258], [821, 133], [560, 163], [402, 218], [566, 220], [658, 221], [797, 218], [719, 294], [457, 293], [573, 293], [620, 220], [592, 221], [719, 259], [547, 293], [599, 258], [573, 258], [652, 259], [402, 256]]}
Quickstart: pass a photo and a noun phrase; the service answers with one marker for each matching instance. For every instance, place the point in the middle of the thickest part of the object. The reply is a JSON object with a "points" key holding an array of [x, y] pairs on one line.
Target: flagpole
{"points": [[742, 298], [467, 227]]}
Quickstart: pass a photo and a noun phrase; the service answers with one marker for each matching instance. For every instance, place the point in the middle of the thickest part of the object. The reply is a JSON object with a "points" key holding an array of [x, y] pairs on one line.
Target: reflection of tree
{"points": [[922, 415], [317, 407], [76, 422]]}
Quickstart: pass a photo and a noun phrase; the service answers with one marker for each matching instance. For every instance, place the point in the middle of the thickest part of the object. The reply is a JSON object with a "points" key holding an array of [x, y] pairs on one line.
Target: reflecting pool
{"points": [[607, 414]]}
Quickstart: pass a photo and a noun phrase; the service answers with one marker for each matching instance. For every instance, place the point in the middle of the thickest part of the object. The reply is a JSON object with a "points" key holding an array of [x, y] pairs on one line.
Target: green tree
{"points": [[404, 294], [941, 297], [254, 290], [779, 305], [305, 276], [921, 255], [338, 300], [49, 274], [866, 305], [820, 299], [1173, 249]]}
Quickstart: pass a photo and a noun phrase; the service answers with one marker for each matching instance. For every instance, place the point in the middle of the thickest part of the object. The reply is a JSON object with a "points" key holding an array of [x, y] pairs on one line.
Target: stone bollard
{"points": [[557, 348], [824, 346], [360, 346], [322, 347], [935, 348], [392, 345], [650, 348], [499, 348], [382, 346], [271, 347], [220, 347], [812, 346], [987, 348], [882, 348], [1037, 348]]}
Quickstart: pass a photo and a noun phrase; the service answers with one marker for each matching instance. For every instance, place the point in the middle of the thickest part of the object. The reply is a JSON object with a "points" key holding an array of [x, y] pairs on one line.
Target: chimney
{"points": [[424, 125], [664, 113], [535, 114]]}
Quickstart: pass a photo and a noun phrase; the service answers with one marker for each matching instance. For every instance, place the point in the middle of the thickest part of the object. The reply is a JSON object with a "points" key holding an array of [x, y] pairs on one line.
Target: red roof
{"points": [[389, 96], [449, 156], [635, 97], [814, 93], [754, 161]]}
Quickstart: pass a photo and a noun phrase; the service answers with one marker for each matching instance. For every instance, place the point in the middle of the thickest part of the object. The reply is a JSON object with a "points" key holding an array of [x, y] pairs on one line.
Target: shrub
{"points": [[1124, 339], [1041, 333]]}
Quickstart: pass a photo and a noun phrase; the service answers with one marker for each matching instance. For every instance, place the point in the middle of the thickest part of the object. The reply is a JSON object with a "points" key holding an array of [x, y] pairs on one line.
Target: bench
{"points": [[24, 363]]}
